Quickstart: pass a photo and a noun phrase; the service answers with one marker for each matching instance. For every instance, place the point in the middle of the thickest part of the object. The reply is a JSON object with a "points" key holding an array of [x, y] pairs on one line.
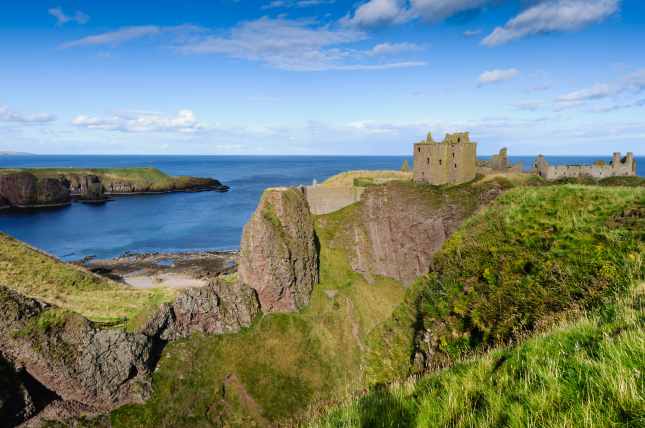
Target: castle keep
{"points": [[452, 161], [618, 167]]}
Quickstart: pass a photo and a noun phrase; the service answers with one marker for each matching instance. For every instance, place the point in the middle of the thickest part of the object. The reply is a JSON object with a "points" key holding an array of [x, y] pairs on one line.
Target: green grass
{"points": [[586, 373], [280, 366], [37, 275], [148, 179], [535, 253]]}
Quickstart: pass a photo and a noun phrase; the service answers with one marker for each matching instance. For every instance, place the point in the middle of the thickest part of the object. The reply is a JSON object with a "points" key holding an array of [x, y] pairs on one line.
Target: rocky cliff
{"points": [[52, 187], [215, 309], [22, 189], [65, 352], [278, 251], [397, 227]]}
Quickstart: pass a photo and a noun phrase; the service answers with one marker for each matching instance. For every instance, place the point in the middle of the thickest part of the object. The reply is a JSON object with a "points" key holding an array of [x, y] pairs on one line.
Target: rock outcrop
{"points": [[399, 226], [278, 251], [87, 188], [215, 309], [22, 189], [100, 368]]}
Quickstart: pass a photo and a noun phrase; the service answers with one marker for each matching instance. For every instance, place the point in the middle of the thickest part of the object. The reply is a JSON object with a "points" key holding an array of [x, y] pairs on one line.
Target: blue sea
{"points": [[180, 222]]}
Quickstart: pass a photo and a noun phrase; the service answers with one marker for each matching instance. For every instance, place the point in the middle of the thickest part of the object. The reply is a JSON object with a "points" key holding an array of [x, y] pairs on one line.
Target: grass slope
{"points": [[43, 277], [587, 372], [278, 367], [534, 253]]}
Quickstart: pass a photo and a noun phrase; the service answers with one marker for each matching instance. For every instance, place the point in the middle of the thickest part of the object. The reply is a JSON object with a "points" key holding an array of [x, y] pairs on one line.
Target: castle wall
{"points": [[617, 168], [325, 200], [452, 161]]}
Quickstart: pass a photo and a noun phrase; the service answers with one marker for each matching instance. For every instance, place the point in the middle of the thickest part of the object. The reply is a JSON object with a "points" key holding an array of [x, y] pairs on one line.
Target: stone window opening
{"points": [[439, 161], [419, 148], [428, 161]]}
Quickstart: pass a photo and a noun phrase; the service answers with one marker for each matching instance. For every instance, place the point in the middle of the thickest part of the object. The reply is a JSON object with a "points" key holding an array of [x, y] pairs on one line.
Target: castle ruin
{"points": [[618, 167], [499, 163], [452, 161]]}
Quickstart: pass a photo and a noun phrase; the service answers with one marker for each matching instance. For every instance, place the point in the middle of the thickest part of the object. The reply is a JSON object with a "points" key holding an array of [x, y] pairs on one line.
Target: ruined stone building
{"points": [[498, 163], [618, 167], [452, 161]]}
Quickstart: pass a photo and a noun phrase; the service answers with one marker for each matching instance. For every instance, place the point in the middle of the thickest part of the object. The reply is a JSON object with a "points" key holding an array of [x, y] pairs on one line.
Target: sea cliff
{"points": [[47, 187]]}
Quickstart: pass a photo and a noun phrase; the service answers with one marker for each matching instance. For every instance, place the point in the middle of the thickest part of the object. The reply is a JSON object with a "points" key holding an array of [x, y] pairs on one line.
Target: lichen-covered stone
{"points": [[214, 309], [67, 354], [278, 251]]}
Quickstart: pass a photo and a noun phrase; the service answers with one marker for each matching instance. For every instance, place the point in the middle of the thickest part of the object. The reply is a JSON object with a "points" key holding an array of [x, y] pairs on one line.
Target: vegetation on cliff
{"points": [[278, 367], [586, 372], [537, 257], [133, 179], [40, 276]]}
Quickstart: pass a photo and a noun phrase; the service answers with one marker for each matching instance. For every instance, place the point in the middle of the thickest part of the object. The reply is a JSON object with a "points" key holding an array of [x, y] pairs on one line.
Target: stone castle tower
{"points": [[452, 161]]}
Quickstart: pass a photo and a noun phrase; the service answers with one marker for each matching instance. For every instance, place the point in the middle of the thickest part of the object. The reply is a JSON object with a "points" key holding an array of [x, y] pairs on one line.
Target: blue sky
{"points": [[321, 76]]}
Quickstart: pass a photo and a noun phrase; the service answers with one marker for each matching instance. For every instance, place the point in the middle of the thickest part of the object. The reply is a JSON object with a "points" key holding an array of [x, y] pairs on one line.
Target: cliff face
{"points": [[23, 189], [397, 227], [278, 251], [215, 309], [66, 353]]}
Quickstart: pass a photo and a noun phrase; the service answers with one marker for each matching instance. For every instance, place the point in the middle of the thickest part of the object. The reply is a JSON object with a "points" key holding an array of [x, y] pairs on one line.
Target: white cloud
{"points": [[551, 16], [384, 12], [619, 106], [595, 92], [183, 122], [436, 10], [7, 115], [472, 33], [296, 45], [393, 48], [127, 34], [284, 4], [379, 12], [62, 18], [529, 105], [498, 75]]}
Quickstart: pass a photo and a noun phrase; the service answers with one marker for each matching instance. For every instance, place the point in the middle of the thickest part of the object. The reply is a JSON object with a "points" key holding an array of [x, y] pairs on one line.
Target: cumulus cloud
{"points": [[384, 12], [7, 115], [296, 45], [379, 12], [62, 18], [183, 122], [498, 75], [551, 16]]}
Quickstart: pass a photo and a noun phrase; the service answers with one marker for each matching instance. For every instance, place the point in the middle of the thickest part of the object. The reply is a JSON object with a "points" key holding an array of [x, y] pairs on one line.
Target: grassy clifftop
{"points": [[148, 179], [37, 275]]}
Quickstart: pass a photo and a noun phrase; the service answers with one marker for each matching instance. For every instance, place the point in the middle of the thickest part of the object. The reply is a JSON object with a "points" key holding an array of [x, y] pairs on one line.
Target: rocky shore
{"points": [[41, 188]]}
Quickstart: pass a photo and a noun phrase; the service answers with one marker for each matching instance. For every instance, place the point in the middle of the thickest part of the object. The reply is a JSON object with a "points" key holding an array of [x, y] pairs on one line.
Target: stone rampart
{"points": [[325, 200]]}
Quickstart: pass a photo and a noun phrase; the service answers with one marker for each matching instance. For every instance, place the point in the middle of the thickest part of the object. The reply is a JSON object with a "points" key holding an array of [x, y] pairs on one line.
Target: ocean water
{"points": [[180, 221]]}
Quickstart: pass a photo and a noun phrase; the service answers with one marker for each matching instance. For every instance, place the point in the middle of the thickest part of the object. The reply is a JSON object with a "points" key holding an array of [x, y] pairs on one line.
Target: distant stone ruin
{"points": [[498, 163], [618, 167], [452, 161]]}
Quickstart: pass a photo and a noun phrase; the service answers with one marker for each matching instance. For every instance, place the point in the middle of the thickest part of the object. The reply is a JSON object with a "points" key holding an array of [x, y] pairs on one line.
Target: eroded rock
{"points": [[278, 251], [66, 353], [214, 309]]}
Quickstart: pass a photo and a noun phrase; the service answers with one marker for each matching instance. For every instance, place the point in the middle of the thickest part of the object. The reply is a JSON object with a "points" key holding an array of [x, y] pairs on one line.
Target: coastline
{"points": [[168, 269]]}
